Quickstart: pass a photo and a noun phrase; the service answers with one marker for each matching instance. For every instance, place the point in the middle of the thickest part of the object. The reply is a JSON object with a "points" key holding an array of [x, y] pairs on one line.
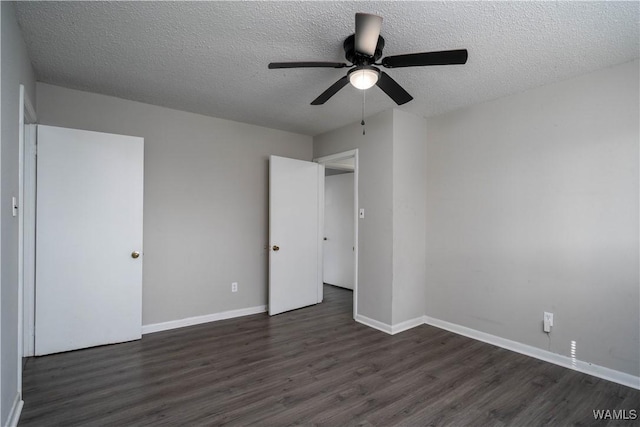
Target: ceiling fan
{"points": [[362, 50]]}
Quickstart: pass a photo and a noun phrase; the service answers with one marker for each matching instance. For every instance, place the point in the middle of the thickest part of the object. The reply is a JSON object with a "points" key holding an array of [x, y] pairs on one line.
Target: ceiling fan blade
{"points": [[445, 57], [274, 65], [324, 97], [367, 31], [393, 89]]}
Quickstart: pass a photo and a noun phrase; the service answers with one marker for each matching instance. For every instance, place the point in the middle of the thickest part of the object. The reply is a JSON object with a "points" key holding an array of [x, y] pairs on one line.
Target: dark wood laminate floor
{"points": [[310, 366]]}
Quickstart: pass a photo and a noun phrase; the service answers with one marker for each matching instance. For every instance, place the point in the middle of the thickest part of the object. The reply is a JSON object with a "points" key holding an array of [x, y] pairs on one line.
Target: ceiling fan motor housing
{"points": [[357, 58]]}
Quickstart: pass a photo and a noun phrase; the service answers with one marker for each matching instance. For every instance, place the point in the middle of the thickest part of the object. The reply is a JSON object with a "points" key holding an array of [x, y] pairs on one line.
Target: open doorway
{"points": [[340, 222], [338, 260]]}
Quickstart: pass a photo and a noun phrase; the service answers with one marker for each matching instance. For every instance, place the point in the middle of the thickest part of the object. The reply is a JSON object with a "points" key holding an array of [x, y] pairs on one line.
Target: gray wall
{"points": [[532, 206], [205, 198], [16, 70], [375, 231], [392, 190], [409, 204]]}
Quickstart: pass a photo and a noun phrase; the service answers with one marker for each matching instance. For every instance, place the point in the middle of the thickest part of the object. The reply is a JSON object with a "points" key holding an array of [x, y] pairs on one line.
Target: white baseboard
{"points": [[538, 353], [16, 410], [373, 323], [197, 320], [406, 325], [389, 329]]}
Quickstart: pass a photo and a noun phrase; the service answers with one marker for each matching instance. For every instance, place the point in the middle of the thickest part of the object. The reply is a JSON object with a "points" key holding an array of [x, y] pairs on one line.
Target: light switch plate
{"points": [[547, 321]]}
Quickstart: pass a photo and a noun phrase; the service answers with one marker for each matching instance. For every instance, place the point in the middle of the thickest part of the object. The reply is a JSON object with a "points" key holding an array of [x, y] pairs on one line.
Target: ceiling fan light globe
{"points": [[363, 79]]}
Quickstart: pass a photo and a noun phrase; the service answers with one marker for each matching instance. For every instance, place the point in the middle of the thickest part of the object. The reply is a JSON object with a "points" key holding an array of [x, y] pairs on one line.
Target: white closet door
{"points": [[88, 239]]}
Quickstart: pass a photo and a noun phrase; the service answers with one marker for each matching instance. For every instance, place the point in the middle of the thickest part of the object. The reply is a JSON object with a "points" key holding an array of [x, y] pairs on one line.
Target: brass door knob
{"points": [[276, 248], [135, 254]]}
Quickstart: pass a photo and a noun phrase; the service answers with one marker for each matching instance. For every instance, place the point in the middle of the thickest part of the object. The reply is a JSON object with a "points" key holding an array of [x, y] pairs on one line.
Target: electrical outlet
{"points": [[234, 287], [547, 321]]}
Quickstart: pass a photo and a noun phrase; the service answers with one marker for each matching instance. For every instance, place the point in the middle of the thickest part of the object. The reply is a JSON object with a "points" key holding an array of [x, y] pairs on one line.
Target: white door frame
{"points": [[26, 115], [324, 160]]}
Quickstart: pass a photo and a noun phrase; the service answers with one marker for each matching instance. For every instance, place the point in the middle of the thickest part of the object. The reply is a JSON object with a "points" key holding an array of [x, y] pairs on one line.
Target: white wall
{"points": [[532, 206], [205, 199], [15, 70], [375, 231], [409, 228], [338, 252]]}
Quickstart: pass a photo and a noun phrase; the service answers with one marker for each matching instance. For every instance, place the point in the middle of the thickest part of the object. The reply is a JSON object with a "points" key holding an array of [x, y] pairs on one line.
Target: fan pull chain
{"points": [[363, 101]]}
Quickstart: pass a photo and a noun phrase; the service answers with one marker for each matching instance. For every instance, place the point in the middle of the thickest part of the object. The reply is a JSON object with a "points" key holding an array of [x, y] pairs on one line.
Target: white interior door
{"points": [[89, 224], [295, 197], [339, 248]]}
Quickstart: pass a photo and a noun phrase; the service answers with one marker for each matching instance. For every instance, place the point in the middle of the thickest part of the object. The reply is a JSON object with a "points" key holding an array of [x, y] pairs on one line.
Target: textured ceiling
{"points": [[211, 57]]}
